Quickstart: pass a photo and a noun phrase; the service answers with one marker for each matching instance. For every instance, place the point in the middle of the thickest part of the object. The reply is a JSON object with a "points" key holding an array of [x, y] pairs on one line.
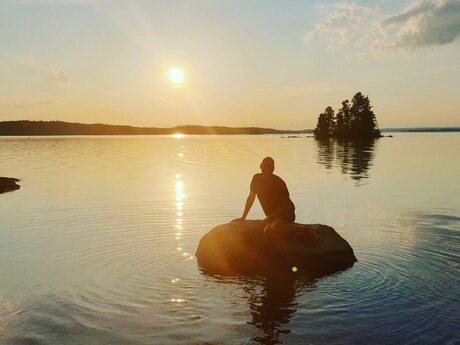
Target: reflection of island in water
{"points": [[351, 156]]}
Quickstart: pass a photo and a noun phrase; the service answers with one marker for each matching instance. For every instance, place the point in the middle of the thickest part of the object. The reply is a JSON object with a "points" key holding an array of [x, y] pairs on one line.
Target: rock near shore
{"points": [[242, 248], [8, 184]]}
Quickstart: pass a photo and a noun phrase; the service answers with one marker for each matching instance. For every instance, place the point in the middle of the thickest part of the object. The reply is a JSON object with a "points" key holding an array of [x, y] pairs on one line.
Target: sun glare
{"points": [[176, 76]]}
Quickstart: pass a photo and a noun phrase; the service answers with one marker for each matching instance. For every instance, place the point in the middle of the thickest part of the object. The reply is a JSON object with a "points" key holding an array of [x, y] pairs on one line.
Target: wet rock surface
{"points": [[243, 248]]}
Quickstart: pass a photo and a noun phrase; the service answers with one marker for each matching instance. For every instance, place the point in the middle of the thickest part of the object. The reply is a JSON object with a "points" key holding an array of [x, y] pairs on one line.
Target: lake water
{"points": [[97, 247]]}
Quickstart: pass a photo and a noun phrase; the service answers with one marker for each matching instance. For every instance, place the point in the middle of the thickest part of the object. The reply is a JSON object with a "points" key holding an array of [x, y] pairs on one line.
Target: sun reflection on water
{"points": [[180, 195], [177, 300], [178, 136], [179, 221]]}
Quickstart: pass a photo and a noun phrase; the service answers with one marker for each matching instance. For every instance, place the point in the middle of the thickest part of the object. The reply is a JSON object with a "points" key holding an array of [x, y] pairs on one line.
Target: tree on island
{"points": [[355, 120], [326, 124]]}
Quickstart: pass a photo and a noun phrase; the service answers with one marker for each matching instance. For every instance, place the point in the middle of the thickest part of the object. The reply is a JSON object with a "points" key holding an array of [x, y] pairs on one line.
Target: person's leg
{"points": [[275, 228], [279, 228]]}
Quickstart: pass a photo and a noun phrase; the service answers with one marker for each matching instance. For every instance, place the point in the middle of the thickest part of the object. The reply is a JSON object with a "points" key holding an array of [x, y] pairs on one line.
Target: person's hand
{"points": [[237, 220], [267, 220]]}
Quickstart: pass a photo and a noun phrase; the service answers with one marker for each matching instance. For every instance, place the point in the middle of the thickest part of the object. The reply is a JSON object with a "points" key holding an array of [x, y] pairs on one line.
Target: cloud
{"points": [[422, 24], [60, 77], [343, 24], [48, 73], [27, 60]]}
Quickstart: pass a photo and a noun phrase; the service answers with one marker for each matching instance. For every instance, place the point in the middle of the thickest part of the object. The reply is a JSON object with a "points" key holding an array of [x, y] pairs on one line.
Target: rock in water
{"points": [[8, 184], [242, 247]]}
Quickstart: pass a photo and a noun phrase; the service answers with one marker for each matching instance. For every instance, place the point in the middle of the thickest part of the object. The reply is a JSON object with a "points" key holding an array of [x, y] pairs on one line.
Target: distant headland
{"points": [[31, 128]]}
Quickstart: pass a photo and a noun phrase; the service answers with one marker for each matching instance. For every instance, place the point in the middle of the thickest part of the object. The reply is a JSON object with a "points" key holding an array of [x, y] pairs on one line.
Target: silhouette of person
{"points": [[273, 196], [272, 303]]}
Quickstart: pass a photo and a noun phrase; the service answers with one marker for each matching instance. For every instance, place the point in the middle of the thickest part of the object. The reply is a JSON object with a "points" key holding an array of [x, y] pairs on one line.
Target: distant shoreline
{"points": [[43, 128], [37, 128], [422, 129]]}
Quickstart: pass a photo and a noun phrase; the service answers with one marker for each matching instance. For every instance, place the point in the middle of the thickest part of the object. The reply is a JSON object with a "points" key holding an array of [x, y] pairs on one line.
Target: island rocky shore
{"points": [[8, 184]]}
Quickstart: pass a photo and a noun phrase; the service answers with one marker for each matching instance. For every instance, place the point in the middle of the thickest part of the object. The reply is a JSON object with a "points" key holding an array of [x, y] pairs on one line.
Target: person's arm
{"points": [[247, 207]]}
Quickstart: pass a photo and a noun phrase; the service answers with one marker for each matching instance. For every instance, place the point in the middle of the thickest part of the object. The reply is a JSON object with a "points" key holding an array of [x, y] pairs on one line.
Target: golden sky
{"points": [[260, 63]]}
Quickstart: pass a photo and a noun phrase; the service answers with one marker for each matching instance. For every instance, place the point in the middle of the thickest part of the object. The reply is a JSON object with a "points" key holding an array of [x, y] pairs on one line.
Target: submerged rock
{"points": [[8, 184], [242, 247]]}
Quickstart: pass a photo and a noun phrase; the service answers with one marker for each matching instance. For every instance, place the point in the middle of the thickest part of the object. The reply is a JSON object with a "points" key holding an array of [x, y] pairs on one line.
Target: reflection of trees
{"points": [[272, 304], [354, 157], [326, 152]]}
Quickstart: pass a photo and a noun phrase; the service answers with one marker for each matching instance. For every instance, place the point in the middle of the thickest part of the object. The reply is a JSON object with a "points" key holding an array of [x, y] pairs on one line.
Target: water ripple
{"points": [[89, 245]]}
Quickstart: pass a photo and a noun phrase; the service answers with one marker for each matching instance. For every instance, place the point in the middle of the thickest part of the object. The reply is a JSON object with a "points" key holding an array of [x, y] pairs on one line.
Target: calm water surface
{"points": [[97, 247]]}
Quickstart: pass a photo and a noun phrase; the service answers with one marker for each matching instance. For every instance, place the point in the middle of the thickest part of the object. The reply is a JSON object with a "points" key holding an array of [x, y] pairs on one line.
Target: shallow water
{"points": [[97, 246]]}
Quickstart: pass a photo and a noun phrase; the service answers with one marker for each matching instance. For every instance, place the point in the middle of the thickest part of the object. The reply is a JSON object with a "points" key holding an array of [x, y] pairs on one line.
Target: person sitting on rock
{"points": [[274, 198]]}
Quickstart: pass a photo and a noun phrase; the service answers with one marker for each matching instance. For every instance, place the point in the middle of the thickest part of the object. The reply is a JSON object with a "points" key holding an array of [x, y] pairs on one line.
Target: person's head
{"points": [[267, 166]]}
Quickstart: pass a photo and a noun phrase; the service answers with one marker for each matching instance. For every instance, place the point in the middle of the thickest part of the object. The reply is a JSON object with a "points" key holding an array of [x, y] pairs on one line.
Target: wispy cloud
{"points": [[422, 24], [343, 24], [59, 77], [48, 73]]}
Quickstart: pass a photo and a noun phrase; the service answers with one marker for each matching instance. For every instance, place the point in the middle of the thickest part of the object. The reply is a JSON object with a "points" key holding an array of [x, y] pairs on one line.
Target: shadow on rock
{"points": [[242, 248]]}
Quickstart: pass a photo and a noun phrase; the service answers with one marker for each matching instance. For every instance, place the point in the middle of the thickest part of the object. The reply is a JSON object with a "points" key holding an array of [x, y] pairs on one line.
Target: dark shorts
{"points": [[288, 218]]}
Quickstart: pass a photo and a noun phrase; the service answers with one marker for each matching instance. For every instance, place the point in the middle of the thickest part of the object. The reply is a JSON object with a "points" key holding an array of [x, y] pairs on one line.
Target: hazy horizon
{"points": [[385, 129], [228, 63]]}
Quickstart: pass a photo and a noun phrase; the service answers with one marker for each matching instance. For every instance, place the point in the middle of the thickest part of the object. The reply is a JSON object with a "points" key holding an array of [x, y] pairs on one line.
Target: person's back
{"points": [[273, 195]]}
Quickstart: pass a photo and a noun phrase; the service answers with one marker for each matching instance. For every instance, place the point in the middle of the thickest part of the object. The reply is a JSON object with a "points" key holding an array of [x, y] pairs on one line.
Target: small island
{"points": [[354, 120]]}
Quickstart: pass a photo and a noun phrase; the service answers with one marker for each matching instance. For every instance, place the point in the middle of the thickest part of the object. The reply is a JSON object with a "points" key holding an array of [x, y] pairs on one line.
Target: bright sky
{"points": [[261, 63]]}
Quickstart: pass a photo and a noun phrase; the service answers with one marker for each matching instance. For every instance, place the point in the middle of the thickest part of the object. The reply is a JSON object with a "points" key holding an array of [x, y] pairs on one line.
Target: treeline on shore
{"points": [[25, 127]]}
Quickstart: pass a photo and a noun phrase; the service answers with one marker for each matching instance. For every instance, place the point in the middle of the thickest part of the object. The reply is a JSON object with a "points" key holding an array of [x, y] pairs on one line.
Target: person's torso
{"points": [[271, 192]]}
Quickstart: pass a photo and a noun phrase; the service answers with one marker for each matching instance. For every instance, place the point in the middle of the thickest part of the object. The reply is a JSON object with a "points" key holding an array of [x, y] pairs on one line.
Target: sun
{"points": [[176, 76]]}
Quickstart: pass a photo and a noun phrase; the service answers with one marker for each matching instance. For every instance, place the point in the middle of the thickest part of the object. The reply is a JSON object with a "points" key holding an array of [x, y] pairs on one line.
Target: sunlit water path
{"points": [[97, 247]]}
